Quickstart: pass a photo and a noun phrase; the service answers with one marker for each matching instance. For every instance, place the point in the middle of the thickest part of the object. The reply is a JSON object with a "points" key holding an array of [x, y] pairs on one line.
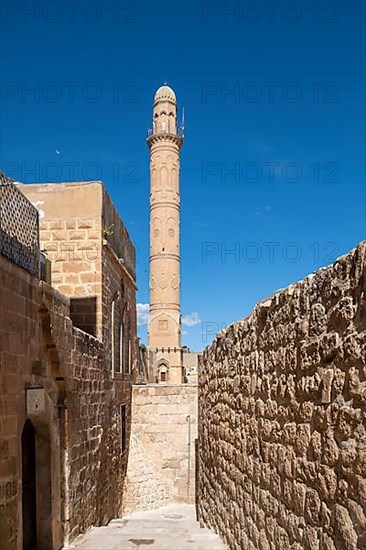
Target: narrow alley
{"points": [[171, 528]]}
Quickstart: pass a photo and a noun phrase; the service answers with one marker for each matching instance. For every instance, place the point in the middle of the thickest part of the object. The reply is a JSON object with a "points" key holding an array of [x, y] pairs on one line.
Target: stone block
{"points": [[86, 223]]}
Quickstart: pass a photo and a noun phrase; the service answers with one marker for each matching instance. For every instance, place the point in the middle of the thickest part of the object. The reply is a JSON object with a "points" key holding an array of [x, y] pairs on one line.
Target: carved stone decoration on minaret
{"points": [[164, 328]]}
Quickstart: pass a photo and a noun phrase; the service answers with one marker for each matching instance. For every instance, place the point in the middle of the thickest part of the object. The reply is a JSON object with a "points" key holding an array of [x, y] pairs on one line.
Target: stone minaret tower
{"points": [[164, 330]]}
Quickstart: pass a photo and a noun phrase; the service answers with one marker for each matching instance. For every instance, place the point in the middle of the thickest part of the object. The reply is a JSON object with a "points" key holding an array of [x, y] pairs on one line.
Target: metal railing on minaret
{"points": [[180, 132]]}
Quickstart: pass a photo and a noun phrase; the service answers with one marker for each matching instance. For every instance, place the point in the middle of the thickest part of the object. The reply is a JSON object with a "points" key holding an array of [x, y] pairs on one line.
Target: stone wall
{"points": [[92, 255], [119, 287], [282, 403], [81, 465], [93, 260], [95, 461], [157, 471], [25, 363], [71, 234]]}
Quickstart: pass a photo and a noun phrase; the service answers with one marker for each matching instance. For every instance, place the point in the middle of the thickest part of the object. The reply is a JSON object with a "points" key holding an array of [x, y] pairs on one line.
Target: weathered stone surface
{"points": [[282, 434], [158, 471], [80, 460]]}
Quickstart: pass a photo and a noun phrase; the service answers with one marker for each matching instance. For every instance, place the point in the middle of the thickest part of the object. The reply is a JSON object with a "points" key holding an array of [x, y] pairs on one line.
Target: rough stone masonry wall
{"points": [[282, 403], [39, 346], [96, 465], [24, 362], [157, 472]]}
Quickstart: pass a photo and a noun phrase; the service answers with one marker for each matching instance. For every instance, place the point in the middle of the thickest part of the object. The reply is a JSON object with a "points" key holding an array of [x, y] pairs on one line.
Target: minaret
{"points": [[164, 329]]}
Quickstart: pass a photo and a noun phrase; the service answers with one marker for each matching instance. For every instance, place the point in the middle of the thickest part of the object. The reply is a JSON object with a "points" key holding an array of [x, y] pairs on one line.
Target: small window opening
{"points": [[123, 428]]}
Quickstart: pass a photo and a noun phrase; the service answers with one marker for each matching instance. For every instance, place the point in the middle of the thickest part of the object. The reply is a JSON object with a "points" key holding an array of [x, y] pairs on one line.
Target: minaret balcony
{"points": [[162, 135]]}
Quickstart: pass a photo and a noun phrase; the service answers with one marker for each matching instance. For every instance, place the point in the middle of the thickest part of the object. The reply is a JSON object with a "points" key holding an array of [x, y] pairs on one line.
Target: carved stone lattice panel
{"points": [[19, 227]]}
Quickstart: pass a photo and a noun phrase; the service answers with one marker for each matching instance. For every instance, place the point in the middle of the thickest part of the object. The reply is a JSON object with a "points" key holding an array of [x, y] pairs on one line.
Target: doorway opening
{"points": [[29, 487], [36, 487]]}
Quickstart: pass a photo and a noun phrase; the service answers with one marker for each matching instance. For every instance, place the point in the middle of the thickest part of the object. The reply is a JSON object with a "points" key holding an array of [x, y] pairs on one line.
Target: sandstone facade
{"points": [[161, 465], [282, 411], [164, 328], [93, 258], [64, 386]]}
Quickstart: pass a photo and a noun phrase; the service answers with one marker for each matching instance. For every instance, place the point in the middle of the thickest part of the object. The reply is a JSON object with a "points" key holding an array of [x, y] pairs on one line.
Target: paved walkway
{"points": [[171, 528]]}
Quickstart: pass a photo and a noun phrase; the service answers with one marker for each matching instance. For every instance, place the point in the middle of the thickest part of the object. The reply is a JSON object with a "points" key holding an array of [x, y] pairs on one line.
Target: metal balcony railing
{"points": [[19, 227], [180, 132]]}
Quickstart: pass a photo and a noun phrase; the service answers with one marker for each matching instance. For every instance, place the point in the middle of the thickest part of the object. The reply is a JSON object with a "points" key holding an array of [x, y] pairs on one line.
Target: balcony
{"points": [[180, 132], [19, 227]]}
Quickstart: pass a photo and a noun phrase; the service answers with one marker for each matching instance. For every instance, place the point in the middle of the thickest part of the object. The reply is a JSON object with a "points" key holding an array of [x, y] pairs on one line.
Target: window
{"points": [[123, 428], [117, 341], [116, 335], [126, 346], [163, 376]]}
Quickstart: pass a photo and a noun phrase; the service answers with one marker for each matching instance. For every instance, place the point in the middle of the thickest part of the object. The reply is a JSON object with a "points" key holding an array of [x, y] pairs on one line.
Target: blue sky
{"points": [[273, 159]]}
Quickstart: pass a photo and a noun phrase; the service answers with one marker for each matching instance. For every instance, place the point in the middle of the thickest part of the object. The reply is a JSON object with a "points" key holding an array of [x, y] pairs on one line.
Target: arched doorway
{"points": [[29, 487], [163, 372]]}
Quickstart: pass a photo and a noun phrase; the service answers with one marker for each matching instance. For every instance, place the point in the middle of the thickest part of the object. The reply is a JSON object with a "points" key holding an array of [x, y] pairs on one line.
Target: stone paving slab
{"points": [[171, 528]]}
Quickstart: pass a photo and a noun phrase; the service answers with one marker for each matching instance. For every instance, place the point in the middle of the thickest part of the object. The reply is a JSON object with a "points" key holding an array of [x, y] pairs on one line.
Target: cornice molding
{"points": [[159, 204], [157, 139], [165, 256]]}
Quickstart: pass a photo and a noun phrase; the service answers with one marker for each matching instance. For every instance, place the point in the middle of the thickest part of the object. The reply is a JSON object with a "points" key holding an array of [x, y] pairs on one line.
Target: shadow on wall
{"points": [[83, 313]]}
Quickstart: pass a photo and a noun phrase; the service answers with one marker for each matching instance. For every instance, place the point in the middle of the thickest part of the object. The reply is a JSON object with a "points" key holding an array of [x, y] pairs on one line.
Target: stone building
{"points": [[93, 258], [190, 365], [282, 418], [68, 352]]}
